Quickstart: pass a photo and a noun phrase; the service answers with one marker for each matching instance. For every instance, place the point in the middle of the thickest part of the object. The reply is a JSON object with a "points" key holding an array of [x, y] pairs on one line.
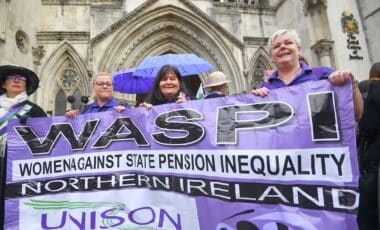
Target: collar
{"points": [[110, 103], [214, 92], [305, 69]]}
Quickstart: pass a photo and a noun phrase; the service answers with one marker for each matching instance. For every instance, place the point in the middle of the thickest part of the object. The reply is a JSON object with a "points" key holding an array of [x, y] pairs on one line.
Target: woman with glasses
{"points": [[17, 84], [102, 88]]}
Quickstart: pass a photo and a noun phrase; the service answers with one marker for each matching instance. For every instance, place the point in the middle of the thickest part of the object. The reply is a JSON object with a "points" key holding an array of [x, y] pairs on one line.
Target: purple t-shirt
{"points": [[109, 106], [307, 74]]}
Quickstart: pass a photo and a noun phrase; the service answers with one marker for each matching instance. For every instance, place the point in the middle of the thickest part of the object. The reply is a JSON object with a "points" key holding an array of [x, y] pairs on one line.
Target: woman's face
{"points": [[103, 87], [169, 85], [14, 85], [285, 50]]}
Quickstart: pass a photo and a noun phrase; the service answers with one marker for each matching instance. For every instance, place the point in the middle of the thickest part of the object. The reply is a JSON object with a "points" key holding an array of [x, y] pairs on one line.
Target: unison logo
{"points": [[102, 215]]}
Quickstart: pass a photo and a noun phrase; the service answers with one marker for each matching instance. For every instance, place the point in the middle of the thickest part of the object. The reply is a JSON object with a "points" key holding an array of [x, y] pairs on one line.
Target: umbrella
{"points": [[187, 64], [125, 81]]}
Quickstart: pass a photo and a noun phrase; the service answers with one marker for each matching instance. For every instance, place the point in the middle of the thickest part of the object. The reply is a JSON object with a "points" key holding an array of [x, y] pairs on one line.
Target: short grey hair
{"points": [[102, 74], [280, 32]]}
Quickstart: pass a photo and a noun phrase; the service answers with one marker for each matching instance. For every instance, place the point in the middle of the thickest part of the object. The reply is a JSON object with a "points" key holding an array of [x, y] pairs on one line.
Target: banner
{"points": [[285, 161]]}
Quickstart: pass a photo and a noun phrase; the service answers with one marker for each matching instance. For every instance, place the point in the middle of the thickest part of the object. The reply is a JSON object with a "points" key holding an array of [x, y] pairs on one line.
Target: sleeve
{"points": [[124, 103], [36, 111]]}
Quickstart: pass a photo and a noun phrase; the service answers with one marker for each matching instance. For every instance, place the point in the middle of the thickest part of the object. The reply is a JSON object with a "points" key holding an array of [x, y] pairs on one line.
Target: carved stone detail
{"points": [[38, 53], [22, 41], [170, 26], [244, 4], [323, 47], [204, 17], [255, 41], [309, 4], [313, 5], [69, 78], [62, 35]]}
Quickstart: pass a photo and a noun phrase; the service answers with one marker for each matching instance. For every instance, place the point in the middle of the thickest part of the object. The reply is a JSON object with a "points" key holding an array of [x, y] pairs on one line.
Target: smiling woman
{"points": [[285, 50], [168, 88]]}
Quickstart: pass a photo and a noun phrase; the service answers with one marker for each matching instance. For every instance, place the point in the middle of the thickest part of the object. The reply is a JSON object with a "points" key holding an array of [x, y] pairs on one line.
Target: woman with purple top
{"points": [[168, 88], [285, 50], [103, 97]]}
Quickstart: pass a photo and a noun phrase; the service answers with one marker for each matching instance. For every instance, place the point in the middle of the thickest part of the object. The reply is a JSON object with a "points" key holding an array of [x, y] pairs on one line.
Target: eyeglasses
{"points": [[16, 77], [102, 84]]}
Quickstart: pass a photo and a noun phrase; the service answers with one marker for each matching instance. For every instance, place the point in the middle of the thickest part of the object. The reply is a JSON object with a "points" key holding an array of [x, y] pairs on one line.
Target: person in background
{"points": [[17, 84], [369, 154], [285, 50], [216, 85], [168, 88], [102, 88], [363, 87]]}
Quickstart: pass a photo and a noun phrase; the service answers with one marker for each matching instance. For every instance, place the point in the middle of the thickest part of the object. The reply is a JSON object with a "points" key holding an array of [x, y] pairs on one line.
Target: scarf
{"points": [[7, 103]]}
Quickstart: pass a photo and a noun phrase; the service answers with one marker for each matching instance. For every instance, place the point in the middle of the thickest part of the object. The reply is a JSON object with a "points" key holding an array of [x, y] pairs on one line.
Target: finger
{"points": [[347, 75]]}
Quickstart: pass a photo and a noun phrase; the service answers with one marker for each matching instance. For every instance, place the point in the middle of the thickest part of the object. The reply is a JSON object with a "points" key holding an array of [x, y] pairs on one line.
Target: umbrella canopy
{"points": [[187, 64], [125, 81]]}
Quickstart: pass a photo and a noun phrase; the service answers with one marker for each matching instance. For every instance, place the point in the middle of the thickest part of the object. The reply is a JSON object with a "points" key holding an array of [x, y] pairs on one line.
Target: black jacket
{"points": [[369, 125], [36, 111]]}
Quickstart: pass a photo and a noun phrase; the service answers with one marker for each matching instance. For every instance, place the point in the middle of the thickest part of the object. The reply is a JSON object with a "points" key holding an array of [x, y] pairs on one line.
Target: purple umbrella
{"points": [[187, 64], [125, 81]]}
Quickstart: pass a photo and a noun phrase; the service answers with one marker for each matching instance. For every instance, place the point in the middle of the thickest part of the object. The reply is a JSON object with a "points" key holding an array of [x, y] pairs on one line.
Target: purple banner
{"points": [[286, 161]]}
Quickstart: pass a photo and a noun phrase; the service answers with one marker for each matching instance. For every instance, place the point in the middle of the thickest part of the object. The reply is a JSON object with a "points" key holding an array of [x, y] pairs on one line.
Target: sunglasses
{"points": [[16, 77]]}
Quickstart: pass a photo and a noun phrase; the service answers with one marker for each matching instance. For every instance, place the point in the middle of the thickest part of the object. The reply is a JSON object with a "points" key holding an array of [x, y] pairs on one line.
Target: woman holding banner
{"points": [[285, 49], [168, 88], [17, 83]]}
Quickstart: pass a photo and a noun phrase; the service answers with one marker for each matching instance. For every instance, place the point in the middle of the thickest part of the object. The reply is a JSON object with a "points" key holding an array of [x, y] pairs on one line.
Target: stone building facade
{"points": [[67, 41]]}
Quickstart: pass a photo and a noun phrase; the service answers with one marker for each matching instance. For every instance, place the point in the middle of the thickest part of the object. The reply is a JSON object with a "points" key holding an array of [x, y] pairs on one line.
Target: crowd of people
{"points": [[291, 69]]}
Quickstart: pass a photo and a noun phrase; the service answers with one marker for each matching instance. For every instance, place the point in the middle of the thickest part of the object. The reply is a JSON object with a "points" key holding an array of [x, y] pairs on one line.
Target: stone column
{"points": [[37, 53], [323, 49]]}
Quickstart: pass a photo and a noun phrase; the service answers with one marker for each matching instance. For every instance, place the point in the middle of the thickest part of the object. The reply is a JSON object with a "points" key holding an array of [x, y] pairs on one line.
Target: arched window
{"points": [[69, 94], [258, 74]]}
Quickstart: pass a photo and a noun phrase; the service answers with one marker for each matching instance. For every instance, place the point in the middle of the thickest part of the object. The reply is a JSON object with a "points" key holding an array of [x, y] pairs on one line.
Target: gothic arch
{"points": [[63, 60], [171, 29], [260, 62]]}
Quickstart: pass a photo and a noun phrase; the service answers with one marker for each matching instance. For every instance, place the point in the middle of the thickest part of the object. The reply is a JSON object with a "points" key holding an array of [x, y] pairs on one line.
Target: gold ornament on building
{"points": [[349, 23]]}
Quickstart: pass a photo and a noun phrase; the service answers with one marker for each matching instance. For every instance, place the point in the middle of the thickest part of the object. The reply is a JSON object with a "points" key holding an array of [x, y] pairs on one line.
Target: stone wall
{"points": [[370, 12]]}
